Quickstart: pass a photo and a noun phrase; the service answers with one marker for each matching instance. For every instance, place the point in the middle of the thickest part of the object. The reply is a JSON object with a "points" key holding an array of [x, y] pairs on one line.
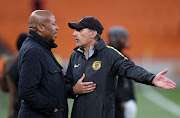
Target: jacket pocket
{"points": [[52, 103], [54, 70], [54, 80], [54, 75], [58, 114]]}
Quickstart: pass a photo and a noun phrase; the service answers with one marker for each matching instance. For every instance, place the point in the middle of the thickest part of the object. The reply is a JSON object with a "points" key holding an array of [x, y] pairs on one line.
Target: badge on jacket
{"points": [[96, 65]]}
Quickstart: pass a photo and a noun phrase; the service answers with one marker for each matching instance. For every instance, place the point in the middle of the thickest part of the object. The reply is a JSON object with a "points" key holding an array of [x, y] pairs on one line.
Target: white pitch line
{"points": [[161, 101]]}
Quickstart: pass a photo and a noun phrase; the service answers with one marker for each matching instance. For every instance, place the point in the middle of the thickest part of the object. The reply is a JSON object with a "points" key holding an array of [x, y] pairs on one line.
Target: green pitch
{"points": [[146, 108]]}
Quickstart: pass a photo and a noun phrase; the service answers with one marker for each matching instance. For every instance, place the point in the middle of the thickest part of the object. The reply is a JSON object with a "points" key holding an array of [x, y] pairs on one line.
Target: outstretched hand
{"points": [[83, 87], [163, 82]]}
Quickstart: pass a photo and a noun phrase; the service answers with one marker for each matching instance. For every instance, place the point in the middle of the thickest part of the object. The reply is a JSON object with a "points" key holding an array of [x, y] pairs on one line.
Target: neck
{"points": [[86, 49]]}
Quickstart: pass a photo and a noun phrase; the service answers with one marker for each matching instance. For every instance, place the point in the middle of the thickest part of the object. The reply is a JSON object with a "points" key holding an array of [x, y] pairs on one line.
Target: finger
{"points": [[171, 82], [55, 110], [164, 72], [89, 86], [88, 91], [169, 86], [87, 83], [166, 87], [172, 86], [82, 78], [167, 80]]}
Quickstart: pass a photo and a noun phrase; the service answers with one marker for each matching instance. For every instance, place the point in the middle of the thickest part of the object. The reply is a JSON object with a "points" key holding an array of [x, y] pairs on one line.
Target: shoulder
{"points": [[31, 46], [113, 52], [29, 43], [30, 51], [74, 55]]}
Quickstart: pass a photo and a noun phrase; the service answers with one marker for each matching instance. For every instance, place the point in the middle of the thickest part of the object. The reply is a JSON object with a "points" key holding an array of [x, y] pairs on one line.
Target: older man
{"points": [[41, 84], [100, 64]]}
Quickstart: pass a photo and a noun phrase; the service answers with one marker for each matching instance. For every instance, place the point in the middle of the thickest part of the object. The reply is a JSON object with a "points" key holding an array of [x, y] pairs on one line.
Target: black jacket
{"points": [[101, 69], [41, 82], [124, 92]]}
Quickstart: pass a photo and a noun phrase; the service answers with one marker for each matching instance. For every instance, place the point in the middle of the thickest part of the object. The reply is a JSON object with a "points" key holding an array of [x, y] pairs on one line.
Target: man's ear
{"points": [[40, 27], [93, 34]]}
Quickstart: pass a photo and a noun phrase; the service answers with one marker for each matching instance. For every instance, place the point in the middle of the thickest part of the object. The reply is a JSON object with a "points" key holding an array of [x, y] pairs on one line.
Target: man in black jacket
{"points": [[125, 105], [100, 63], [41, 82]]}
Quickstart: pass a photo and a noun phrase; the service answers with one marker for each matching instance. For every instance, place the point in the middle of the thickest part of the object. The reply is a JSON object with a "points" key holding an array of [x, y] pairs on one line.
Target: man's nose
{"points": [[57, 27], [75, 33]]}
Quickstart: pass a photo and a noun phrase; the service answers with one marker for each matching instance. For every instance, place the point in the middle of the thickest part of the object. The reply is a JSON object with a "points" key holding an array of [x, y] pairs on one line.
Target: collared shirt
{"points": [[91, 51]]}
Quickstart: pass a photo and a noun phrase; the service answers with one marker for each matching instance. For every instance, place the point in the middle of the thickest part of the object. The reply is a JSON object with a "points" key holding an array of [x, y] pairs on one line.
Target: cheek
{"points": [[51, 29]]}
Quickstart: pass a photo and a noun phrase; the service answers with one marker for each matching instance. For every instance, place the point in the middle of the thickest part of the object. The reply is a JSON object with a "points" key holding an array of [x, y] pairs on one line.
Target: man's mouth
{"points": [[77, 40], [55, 34]]}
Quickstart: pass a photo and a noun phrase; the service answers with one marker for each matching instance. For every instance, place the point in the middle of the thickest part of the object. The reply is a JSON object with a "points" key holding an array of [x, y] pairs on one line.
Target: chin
{"points": [[53, 39], [77, 45]]}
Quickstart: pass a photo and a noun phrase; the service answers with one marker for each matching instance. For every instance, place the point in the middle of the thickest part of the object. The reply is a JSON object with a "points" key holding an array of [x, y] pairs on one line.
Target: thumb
{"points": [[82, 78], [164, 72]]}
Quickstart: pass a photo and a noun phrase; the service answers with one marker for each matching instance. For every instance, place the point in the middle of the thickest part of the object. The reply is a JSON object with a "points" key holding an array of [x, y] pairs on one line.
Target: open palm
{"points": [[163, 82]]}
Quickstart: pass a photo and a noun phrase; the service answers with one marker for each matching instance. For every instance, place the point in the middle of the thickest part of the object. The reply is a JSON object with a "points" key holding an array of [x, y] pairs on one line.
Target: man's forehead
{"points": [[51, 18]]}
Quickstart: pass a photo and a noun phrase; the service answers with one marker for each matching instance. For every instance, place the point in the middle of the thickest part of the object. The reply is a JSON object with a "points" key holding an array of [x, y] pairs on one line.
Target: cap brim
{"points": [[73, 25]]}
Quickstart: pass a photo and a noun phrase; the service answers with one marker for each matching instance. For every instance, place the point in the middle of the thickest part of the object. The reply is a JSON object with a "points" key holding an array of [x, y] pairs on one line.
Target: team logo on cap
{"points": [[96, 65]]}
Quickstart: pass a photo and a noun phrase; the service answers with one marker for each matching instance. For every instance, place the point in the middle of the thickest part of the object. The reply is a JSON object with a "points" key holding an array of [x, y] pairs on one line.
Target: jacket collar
{"points": [[98, 46], [44, 43]]}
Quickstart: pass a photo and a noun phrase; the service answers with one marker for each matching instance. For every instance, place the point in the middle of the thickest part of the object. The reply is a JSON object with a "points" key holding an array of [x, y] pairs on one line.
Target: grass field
{"points": [[146, 108]]}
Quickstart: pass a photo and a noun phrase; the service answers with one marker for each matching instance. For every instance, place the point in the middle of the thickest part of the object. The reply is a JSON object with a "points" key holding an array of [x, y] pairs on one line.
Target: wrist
{"points": [[152, 79], [74, 89]]}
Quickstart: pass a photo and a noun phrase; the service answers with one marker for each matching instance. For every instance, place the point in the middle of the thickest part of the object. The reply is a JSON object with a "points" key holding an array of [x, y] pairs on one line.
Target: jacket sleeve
{"points": [[69, 80], [122, 66], [127, 68], [31, 72]]}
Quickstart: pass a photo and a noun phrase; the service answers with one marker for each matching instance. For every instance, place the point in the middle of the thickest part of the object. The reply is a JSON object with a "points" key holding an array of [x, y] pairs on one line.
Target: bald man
{"points": [[41, 84]]}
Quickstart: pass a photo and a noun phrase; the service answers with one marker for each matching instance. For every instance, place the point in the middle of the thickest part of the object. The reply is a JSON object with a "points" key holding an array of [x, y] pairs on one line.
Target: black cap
{"points": [[87, 22]]}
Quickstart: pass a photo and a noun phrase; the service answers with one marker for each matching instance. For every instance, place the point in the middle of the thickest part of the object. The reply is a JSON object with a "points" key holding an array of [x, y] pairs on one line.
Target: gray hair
{"points": [[98, 36], [116, 33]]}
